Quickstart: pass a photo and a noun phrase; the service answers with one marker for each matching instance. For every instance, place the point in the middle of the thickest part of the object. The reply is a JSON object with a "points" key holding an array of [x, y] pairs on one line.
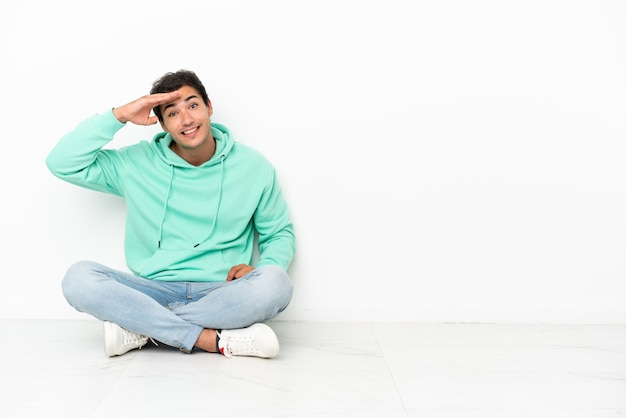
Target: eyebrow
{"points": [[193, 96]]}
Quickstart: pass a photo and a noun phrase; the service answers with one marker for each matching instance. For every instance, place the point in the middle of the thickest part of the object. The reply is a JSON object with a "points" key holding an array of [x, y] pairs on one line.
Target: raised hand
{"points": [[138, 111]]}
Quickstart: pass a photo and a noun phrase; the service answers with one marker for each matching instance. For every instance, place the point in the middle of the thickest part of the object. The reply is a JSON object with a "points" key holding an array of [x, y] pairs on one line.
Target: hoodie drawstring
{"points": [[167, 198], [219, 201], [217, 208]]}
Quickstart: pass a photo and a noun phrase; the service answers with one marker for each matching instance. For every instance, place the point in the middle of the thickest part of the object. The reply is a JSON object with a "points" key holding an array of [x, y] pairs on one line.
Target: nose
{"points": [[186, 117]]}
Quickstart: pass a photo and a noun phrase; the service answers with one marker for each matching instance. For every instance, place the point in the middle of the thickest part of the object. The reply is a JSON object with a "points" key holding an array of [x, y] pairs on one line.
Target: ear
{"points": [[210, 108]]}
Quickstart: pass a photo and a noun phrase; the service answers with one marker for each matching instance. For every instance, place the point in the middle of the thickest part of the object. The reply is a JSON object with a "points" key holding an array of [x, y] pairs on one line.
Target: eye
{"points": [[193, 106], [171, 114]]}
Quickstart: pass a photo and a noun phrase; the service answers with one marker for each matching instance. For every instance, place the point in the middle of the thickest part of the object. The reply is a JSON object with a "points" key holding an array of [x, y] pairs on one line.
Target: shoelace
{"points": [[134, 339], [240, 346]]}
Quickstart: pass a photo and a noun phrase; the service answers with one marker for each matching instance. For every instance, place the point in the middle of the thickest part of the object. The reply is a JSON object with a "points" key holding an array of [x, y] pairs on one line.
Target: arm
{"points": [[78, 157], [277, 244], [276, 238], [276, 235]]}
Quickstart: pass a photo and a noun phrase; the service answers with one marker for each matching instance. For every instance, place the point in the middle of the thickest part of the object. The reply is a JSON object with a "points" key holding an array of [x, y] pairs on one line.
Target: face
{"points": [[188, 120]]}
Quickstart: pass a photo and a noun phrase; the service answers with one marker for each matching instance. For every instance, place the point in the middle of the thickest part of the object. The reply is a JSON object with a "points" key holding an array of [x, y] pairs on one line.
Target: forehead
{"points": [[187, 93], [188, 90]]}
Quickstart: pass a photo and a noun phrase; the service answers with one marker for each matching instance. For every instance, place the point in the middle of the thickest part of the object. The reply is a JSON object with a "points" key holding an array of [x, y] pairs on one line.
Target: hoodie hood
{"points": [[223, 145]]}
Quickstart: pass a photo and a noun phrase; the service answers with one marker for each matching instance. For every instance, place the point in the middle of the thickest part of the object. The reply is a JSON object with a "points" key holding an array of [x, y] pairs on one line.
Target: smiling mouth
{"points": [[191, 131]]}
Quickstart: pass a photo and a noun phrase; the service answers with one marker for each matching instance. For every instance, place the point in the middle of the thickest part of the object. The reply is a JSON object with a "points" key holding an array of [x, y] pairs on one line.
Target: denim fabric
{"points": [[176, 312]]}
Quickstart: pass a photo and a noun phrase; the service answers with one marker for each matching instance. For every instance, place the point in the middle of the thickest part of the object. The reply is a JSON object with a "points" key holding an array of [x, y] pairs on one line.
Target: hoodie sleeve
{"points": [[78, 157], [276, 234]]}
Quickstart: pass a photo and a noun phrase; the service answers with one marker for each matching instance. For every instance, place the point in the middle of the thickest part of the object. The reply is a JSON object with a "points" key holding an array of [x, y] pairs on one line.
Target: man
{"points": [[195, 199]]}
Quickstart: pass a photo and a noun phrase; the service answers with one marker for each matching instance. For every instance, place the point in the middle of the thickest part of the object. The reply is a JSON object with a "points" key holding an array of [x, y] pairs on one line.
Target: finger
{"points": [[238, 274], [160, 98], [151, 120], [231, 274], [243, 271]]}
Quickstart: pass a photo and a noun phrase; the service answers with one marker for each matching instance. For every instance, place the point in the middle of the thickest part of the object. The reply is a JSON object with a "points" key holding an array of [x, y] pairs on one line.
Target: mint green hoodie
{"points": [[183, 223]]}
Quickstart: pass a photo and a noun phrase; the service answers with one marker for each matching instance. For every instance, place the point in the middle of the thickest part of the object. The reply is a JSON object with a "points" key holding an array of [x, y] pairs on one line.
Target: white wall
{"points": [[444, 160]]}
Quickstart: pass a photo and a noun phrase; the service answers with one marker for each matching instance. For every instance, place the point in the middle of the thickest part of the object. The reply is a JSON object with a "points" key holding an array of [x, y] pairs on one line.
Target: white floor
{"points": [[58, 368]]}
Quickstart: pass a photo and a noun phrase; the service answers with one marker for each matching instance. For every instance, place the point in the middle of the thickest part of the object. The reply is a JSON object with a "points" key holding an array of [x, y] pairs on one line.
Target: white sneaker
{"points": [[118, 341], [258, 340]]}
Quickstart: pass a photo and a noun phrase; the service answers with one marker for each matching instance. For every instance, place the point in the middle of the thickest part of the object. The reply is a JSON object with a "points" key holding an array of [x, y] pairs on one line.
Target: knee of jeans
{"points": [[281, 283], [73, 280]]}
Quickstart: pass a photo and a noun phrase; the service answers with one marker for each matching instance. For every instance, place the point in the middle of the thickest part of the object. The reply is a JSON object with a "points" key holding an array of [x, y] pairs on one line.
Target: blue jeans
{"points": [[176, 312]]}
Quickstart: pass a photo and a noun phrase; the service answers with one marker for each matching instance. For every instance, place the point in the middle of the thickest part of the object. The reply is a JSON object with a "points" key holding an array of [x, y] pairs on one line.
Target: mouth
{"points": [[190, 131]]}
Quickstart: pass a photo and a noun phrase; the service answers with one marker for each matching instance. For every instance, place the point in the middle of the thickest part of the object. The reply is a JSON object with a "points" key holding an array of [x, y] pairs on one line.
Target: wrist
{"points": [[118, 115]]}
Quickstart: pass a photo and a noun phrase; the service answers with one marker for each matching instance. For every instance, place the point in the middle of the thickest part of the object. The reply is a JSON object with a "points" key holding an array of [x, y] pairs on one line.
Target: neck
{"points": [[197, 155]]}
